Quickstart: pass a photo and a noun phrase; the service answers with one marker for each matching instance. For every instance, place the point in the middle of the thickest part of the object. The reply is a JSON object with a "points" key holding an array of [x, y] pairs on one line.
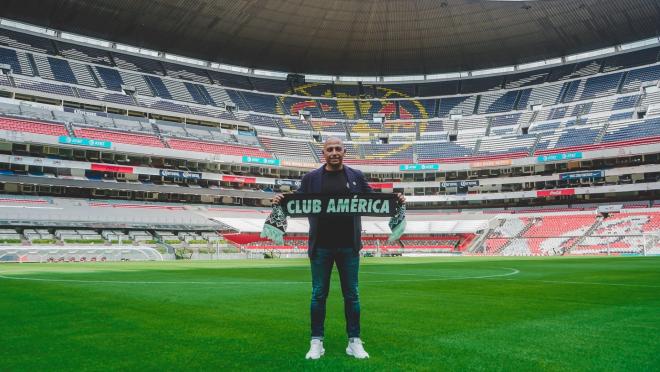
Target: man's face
{"points": [[333, 152]]}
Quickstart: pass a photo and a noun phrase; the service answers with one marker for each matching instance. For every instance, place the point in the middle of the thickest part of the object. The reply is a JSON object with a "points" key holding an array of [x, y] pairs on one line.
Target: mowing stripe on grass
{"points": [[427, 278], [588, 283]]}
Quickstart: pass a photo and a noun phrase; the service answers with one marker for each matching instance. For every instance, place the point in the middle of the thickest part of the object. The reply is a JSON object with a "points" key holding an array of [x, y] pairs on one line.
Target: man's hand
{"points": [[277, 198], [402, 198]]}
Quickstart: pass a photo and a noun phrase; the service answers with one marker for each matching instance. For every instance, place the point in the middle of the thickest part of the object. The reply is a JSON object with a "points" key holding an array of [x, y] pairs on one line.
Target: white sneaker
{"points": [[355, 349], [316, 349]]}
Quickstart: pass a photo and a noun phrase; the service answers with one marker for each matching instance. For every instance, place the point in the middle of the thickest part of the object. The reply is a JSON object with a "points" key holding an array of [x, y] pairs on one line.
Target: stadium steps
{"points": [[476, 105], [621, 83], [10, 78], [279, 108], [280, 105], [69, 129], [602, 133], [563, 92], [488, 125], [156, 130], [517, 100], [490, 235], [530, 224], [95, 78], [479, 242], [33, 64], [532, 148], [587, 234], [362, 155], [477, 145], [75, 91], [313, 151], [112, 60]]}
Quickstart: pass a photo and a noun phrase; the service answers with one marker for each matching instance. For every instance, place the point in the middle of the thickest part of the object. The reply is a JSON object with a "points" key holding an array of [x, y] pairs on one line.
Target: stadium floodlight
{"points": [[5, 69]]}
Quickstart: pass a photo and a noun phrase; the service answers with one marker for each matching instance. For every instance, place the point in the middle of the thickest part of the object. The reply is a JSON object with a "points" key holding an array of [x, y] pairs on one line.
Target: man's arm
{"points": [[303, 185]]}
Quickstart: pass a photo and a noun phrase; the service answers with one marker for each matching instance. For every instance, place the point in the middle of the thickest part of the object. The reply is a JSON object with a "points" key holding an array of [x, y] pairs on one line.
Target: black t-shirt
{"points": [[335, 232]]}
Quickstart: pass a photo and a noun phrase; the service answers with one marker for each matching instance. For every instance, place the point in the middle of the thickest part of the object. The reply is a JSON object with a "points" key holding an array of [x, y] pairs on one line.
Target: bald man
{"points": [[335, 240]]}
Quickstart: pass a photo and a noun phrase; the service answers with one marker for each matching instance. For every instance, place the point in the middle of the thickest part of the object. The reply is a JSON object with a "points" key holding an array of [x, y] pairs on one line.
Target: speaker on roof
{"points": [[536, 105], [304, 114], [650, 86], [455, 114], [128, 89], [295, 79], [453, 135], [5, 68], [230, 106]]}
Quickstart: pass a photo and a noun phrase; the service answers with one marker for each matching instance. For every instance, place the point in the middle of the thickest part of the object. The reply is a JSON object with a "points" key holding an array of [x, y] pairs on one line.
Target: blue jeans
{"points": [[348, 264]]}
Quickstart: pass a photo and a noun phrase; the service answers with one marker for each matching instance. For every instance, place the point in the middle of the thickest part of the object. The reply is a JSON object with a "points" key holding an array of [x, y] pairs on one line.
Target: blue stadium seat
{"points": [[157, 86], [9, 57], [61, 70], [110, 78]]}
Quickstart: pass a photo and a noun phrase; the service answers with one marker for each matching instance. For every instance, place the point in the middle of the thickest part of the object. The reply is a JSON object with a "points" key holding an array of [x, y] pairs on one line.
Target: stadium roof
{"points": [[353, 37]]}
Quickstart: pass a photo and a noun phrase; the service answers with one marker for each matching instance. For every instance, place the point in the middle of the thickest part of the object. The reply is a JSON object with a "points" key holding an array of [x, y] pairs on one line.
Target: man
{"points": [[335, 240]]}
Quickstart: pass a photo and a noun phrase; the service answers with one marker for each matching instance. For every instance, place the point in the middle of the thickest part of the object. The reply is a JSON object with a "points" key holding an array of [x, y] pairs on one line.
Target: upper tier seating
{"points": [[187, 72], [395, 90], [106, 96], [29, 42], [140, 64], [587, 105], [291, 150], [109, 78], [464, 104], [84, 53], [401, 153], [10, 57], [328, 126], [231, 80], [40, 86], [216, 148], [271, 85]]}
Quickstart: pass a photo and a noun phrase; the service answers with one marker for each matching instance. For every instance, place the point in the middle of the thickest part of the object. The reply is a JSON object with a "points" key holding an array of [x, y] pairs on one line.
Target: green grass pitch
{"points": [[558, 314]]}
